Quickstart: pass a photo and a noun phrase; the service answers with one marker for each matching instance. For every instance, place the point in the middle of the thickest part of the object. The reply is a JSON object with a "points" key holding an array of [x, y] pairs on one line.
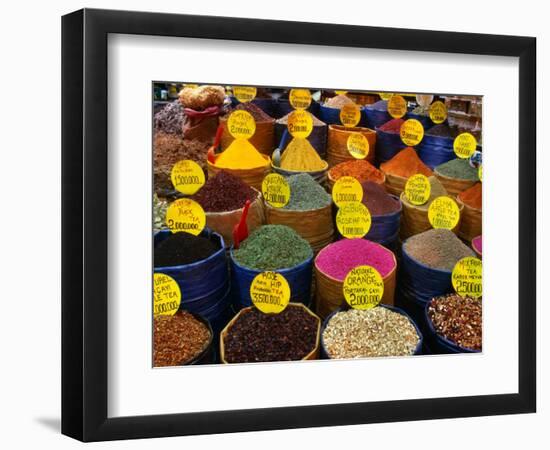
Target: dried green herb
{"points": [[306, 193]]}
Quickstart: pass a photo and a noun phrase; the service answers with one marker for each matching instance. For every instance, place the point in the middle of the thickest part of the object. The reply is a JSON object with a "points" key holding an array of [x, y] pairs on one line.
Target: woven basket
{"points": [[263, 139], [470, 226], [252, 177], [415, 220], [394, 184], [224, 222], [329, 295], [337, 143], [314, 354], [315, 225], [454, 186], [331, 181]]}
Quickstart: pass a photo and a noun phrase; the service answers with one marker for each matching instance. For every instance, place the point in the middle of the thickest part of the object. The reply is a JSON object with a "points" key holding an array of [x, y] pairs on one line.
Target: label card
{"points": [[397, 106], [466, 277], [358, 145], [418, 189], [363, 287], [276, 190], [300, 124], [411, 132], [353, 220], [185, 215], [270, 292], [166, 295], [444, 213], [464, 145], [187, 177], [350, 115], [438, 112], [299, 98], [241, 124], [244, 93], [347, 189]]}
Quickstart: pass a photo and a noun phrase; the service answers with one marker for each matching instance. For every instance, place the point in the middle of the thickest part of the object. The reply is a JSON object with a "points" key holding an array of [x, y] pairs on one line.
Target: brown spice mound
{"points": [[360, 169], [258, 337], [458, 319], [178, 339], [405, 164], [168, 149], [258, 114], [472, 196]]}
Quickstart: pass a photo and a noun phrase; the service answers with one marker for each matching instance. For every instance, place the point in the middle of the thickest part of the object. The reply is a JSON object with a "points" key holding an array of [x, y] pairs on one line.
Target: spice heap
{"points": [[442, 130], [436, 190], [241, 154], [472, 196], [159, 213], [256, 112], [392, 126], [437, 248], [224, 192], [477, 244], [338, 258], [201, 97], [338, 101], [421, 111], [405, 164], [316, 121], [183, 248], [273, 247], [369, 333], [377, 200], [458, 168], [380, 105], [457, 319], [306, 194], [257, 337], [178, 339], [170, 119], [300, 155], [360, 169]]}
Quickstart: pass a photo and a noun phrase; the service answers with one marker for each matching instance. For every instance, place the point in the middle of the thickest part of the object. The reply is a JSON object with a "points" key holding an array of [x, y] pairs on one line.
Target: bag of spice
{"points": [[437, 145], [329, 112], [223, 198], [337, 143], [275, 248], [202, 106], [385, 211], [470, 225], [457, 175], [388, 140], [253, 336], [317, 138]]}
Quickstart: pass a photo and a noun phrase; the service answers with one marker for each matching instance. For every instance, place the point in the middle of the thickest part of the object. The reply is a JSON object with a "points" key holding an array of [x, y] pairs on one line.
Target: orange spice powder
{"points": [[360, 169], [472, 196], [405, 164]]}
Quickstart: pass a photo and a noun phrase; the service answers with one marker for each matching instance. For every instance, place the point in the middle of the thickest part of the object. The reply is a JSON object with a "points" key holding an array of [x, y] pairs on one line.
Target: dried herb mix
{"points": [[256, 112], [458, 168], [258, 337], [224, 192], [437, 248], [183, 248], [306, 193], [170, 119], [458, 319], [273, 247], [178, 339], [369, 333]]}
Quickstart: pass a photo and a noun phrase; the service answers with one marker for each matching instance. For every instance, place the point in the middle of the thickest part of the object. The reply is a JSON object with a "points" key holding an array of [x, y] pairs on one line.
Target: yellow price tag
{"points": [[444, 213], [166, 295], [385, 95], [241, 124], [353, 220], [397, 106], [464, 145], [187, 177], [340, 92], [438, 112], [299, 98], [244, 93], [270, 292], [345, 190], [358, 145], [466, 277], [185, 215], [300, 124], [276, 190], [350, 115], [418, 189], [411, 132], [363, 287]]}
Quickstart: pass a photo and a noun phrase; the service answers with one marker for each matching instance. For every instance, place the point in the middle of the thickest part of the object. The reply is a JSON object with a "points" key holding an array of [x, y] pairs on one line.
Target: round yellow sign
{"points": [[385, 95], [244, 93], [358, 145], [466, 277], [241, 124], [186, 215], [418, 189], [363, 287], [397, 106], [166, 295], [340, 92], [350, 115], [353, 220], [411, 132], [443, 213], [345, 190], [438, 112], [464, 145], [187, 177], [300, 98], [270, 292], [300, 124], [276, 190]]}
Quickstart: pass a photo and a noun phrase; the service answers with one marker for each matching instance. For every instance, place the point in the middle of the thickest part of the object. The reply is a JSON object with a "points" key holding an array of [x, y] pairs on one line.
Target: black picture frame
{"points": [[84, 224]]}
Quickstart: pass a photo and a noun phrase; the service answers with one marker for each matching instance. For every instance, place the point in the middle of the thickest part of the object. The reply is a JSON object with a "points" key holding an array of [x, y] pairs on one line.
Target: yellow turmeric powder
{"points": [[300, 155], [241, 154]]}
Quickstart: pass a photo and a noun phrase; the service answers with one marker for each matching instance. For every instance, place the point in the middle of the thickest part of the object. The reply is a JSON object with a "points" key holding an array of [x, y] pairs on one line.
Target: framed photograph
{"points": [[273, 225]]}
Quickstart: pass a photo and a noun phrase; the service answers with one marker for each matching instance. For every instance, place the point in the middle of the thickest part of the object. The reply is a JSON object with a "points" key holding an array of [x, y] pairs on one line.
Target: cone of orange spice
{"points": [[402, 166], [360, 169]]}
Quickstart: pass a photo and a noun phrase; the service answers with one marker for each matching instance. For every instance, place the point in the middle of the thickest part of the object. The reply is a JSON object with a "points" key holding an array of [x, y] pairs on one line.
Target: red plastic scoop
{"points": [[240, 231], [210, 155]]}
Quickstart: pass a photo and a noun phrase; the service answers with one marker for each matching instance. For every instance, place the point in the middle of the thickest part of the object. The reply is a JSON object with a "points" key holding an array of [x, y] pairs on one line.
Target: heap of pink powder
{"points": [[338, 258]]}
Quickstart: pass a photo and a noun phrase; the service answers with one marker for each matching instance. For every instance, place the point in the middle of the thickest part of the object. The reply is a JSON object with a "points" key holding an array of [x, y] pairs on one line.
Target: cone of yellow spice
{"points": [[301, 157]]}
